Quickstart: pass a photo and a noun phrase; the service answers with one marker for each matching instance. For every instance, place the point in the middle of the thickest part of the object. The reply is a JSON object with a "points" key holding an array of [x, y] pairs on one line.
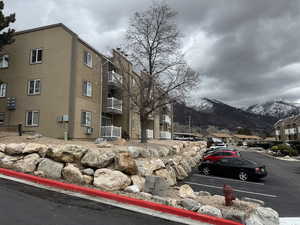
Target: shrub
{"points": [[284, 150]]}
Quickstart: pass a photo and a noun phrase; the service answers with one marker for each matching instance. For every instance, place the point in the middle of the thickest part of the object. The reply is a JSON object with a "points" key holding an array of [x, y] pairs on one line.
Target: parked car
{"points": [[213, 150], [234, 167], [217, 155]]}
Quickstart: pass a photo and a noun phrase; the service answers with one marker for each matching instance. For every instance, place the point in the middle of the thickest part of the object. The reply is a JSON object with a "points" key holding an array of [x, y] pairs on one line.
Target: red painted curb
{"points": [[120, 198]]}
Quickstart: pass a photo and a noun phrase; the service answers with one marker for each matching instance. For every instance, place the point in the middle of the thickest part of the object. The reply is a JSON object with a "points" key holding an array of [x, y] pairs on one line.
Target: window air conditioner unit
{"points": [[89, 130], [59, 119]]}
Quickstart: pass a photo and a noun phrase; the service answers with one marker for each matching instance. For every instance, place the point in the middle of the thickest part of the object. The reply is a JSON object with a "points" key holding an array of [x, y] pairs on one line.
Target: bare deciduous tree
{"points": [[153, 45]]}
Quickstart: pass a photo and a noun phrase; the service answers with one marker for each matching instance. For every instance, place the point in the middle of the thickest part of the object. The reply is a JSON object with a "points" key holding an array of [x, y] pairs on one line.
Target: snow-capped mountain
{"points": [[205, 105], [278, 109]]}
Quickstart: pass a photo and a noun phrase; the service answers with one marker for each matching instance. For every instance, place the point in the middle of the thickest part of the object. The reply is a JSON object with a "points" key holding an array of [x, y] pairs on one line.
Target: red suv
{"points": [[222, 154]]}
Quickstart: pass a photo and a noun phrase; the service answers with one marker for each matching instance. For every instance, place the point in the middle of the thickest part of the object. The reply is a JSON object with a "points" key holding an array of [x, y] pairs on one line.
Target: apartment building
{"points": [[56, 84], [288, 129]]}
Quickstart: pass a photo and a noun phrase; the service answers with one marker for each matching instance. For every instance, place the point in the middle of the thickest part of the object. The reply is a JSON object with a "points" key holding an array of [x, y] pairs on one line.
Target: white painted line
{"points": [[222, 178], [170, 217], [289, 220], [249, 192]]}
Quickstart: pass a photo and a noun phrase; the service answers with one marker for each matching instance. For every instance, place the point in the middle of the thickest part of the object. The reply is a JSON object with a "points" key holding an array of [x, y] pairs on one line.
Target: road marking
{"points": [[142, 210], [222, 178], [237, 190]]}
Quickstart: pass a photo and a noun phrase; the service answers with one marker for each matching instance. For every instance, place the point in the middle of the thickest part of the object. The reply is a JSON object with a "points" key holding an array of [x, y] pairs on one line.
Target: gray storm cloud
{"points": [[246, 51]]}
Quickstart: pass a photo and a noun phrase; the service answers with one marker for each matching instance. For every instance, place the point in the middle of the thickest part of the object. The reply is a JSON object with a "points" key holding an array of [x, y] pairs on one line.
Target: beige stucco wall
{"points": [[84, 103], [54, 73]]}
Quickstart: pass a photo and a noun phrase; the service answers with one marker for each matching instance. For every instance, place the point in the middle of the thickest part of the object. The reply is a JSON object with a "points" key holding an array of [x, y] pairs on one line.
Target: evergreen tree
{"points": [[6, 37]]}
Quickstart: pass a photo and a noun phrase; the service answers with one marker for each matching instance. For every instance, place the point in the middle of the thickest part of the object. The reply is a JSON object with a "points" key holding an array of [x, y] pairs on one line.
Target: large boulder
{"points": [[263, 216], [35, 148], [2, 147], [66, 153], [111, 180], [186, 166], [28, 163], [72, 174], [8, 161], [180, 172], [185, 191], [125, 163], [88, 171], [135, 151], [163, 151], [156, 185], [190, 204], [234, 214], [139, 181], [50, 168], [167, 175], [96, 159], [14, 149], [132, 189], [210, 210], [146, 167]]}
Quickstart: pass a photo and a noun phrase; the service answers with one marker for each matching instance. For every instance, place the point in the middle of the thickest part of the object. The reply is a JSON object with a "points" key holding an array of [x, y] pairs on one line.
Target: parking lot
{"points": [[279, 190]]}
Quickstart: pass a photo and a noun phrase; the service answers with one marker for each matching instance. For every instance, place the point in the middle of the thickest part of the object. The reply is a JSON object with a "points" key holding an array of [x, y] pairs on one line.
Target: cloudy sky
{"points": [[247, 51]]}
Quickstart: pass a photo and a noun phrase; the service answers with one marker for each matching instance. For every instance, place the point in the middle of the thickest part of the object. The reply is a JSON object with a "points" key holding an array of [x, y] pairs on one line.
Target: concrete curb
{"points": [[120, 198]]}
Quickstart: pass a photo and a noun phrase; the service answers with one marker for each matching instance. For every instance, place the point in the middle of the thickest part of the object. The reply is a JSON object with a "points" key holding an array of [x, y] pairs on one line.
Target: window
{"points": [[87, 59], [4, 61], [2, 118], [36, 55], [3, 88], [32, 118], [87, 88], [86, 119], [34, 87]]}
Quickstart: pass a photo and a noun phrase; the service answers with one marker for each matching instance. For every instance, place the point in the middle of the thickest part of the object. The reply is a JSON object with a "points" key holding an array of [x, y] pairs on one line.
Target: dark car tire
{"points": [[205, 170], [243, 176]]}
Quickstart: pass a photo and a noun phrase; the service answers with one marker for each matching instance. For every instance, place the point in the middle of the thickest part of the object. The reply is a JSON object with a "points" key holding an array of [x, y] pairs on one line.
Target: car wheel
{"points": [[243, 176], [206, 171]]}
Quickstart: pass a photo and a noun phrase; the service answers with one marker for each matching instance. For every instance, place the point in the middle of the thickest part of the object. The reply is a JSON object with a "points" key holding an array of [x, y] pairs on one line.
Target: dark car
{"points": [[234, 167], [220, 154]]}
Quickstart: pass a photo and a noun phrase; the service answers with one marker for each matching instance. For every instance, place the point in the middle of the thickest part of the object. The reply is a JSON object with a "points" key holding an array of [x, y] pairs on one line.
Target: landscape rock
{"points": [[156, 185], [33, 137], [160, 200], [234, 214], [180, 172], [95, 159], [145, 153], [145, 167], [202, 193], [167, 175], [186, 166], [104, 144], [190, 204], [163, 151], [132, 189], [153, 152], [145, 196], [2, 147], [111, 180], [88, 171], [8, 161], [14, 149], [50, 168], [263, 216], [134, 151], [185, 191], [125, 163], [210, 210], [87, 179], [28, 163], [139, 181], [72, 174], [35, 148], [66, 153]]}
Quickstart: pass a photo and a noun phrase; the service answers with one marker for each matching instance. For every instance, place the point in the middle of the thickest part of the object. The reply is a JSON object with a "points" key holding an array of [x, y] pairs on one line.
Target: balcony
{"points": [[165, 135], [114, 79], [166, 119], [114, 105], [111, 131], [149, 134]]}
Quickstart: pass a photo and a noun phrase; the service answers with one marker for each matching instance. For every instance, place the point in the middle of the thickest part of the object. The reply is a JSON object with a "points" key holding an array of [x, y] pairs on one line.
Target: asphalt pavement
{"points": [[280, 190], [22, 204]]}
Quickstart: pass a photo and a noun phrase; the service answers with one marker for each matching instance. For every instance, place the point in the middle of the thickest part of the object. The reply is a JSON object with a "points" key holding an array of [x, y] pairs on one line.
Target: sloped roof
{"points": [[241, 136]]}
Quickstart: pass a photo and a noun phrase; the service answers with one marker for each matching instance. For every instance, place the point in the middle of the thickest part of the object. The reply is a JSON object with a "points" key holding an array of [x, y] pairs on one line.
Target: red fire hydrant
{"points": [[228, 194]]}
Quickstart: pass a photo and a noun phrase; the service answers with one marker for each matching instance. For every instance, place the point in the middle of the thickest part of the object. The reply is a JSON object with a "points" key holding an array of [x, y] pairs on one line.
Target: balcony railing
{"points": [[111, 131], [165, 135], [149, 133], [114, 78], [114, 105], [166, 119]]}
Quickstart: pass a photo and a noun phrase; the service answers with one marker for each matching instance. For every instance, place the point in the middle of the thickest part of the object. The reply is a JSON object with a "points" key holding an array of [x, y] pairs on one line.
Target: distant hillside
{"points": [[211, 112]]}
